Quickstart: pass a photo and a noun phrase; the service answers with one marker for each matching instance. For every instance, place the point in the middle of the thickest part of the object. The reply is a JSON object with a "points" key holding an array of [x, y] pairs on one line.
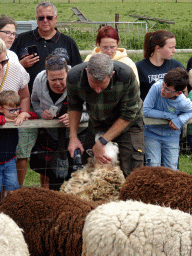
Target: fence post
{"points": [[116, 20]]}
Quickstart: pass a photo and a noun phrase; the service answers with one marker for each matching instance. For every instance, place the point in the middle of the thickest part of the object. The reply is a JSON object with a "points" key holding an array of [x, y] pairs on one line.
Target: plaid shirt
{"points": [[121, 99]]}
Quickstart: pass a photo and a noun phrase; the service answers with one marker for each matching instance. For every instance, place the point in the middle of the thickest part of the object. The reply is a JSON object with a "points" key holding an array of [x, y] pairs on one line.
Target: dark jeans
{"points": [[131, 147]]}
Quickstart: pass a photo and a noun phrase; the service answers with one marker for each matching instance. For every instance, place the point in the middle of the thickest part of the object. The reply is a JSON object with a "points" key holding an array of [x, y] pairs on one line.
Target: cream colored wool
{"points": [[97, 182], [134, 228], [12, 242]]}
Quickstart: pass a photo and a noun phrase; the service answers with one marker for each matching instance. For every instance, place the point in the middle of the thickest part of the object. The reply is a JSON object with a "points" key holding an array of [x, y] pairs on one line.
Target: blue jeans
{"points": [[8, 176], [158, 152]]}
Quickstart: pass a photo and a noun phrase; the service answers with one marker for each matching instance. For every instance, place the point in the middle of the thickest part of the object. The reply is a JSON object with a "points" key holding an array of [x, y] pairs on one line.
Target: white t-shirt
{"points": [[17, 77], [12, 56]]}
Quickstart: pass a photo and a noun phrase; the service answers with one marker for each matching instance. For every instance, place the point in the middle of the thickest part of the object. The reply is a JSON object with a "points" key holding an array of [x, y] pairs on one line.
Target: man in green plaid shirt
{"points": [[112, 95]]}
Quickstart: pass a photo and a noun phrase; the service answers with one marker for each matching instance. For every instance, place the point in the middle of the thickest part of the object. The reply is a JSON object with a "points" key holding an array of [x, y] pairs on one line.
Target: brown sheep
{"points": [[159, 185], [52, 221]]}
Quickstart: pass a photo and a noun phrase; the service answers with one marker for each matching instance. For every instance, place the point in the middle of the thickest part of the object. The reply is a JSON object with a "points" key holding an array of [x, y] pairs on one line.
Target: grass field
{"points": [[103, 11]]}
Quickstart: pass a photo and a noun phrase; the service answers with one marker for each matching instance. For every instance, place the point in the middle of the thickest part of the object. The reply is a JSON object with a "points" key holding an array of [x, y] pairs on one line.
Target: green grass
{"points": [[32, 178]]}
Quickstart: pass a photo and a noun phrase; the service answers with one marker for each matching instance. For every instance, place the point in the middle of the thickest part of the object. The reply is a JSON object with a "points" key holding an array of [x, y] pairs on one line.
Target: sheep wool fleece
{"points": [[134, 228], [52, 221], [159, 185], [12, 242], [95, 182]]}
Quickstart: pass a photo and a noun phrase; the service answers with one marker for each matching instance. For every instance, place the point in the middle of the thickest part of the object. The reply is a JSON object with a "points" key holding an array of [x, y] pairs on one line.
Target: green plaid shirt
{"points": [[121, 99]]}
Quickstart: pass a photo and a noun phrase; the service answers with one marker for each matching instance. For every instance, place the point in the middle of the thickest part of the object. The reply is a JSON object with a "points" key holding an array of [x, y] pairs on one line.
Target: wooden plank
{"points": [[150, 18], [41, 123]]}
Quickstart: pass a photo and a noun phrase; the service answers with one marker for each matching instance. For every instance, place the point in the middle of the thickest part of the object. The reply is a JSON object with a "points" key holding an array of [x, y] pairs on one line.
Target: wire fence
{"points": [[32, 177]]}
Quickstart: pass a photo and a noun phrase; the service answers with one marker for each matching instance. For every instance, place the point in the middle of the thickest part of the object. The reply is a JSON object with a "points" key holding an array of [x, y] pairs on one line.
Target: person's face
{"points": [[57, 80], [46, 25], [10, 112], [98, 87], [8, 39], [108, 46], [168, 92], [168, 50], [3, 60]]}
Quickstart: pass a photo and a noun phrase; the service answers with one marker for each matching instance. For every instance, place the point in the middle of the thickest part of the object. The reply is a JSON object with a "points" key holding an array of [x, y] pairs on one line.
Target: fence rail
{"points": [[41, 123]]}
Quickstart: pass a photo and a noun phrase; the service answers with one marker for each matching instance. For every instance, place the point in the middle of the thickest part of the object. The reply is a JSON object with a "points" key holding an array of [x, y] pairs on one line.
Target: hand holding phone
{"points": [[53, 110], [32, 49]]}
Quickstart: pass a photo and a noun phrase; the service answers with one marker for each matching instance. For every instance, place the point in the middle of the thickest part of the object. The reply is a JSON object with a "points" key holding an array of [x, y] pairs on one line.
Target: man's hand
{"points": [[29, 60], [75, 143], [172, 126], [64, 119], [99, 153]]}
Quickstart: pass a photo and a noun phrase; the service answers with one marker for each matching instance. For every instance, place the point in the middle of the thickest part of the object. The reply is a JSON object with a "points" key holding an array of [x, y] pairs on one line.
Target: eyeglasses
{"points": [[8, 33], [166, 89], [13, 110], [41, 18], [59, 61], [108, 47], [4, 62]]}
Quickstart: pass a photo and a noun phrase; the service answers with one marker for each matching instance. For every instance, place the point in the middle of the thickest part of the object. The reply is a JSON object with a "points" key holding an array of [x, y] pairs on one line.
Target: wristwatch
{"points": [[103, 141]]}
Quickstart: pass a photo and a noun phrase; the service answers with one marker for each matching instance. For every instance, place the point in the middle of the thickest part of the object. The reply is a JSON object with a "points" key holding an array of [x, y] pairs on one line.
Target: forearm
{"points": [[74, 120], [25, 104], [116, 129]]}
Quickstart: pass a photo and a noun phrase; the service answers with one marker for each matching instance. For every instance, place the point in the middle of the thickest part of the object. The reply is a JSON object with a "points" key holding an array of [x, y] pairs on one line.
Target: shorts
{"points": [[27, 139], [8, 176]]}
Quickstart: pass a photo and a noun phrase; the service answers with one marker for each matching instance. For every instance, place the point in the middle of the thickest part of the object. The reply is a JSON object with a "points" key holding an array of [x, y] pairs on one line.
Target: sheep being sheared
{"points": [[95, 181], [134, 228], [159, 185], [12, 242]]}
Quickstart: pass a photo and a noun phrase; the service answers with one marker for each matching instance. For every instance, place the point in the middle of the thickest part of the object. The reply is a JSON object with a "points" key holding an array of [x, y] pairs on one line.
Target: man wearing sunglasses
{"points": [[166, 100], [34, 46]]}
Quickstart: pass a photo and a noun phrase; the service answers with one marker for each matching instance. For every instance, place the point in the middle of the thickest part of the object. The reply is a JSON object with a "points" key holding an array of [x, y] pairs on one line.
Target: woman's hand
{"points": [[46, 115], [21, 117], [64, 119]]}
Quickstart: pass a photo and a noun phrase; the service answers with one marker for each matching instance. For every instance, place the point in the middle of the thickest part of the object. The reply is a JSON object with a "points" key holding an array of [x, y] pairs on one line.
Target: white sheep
{"points": [[95, 181], [132, 228], [12, 242]]}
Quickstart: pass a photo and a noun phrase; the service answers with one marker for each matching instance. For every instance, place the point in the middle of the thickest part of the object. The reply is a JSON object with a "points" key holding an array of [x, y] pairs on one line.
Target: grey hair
{"points": [[3, 47], [55, 66], [100, 66], [46, 4]]}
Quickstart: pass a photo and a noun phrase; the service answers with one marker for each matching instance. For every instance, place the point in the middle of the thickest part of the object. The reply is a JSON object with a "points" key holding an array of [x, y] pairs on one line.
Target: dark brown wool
{"points": [[159, 185], [52, 221]]}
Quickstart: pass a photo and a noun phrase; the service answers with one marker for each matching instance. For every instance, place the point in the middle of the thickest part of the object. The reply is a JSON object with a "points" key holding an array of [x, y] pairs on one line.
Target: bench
{"points": [[162, 21], [79, 14]]}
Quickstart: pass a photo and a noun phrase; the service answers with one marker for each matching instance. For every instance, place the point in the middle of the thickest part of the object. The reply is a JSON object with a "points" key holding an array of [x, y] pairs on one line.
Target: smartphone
{"points": [[53, 110], [32, 49]]}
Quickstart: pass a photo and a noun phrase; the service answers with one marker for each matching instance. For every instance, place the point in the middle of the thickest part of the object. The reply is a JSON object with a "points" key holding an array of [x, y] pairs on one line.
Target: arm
{"points": [[74, 142], [99, 149], [149, 105]]}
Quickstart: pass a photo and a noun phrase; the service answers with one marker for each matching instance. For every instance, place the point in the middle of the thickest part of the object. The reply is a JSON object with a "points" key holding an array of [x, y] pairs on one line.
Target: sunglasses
{"points": [[13, 110], [41, 18], [8, 33], [60, 61], [4, 62]]}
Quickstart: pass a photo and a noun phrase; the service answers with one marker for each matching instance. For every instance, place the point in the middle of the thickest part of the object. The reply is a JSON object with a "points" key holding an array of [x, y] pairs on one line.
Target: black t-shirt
{"points": [[149, 73], [59, 44]]}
